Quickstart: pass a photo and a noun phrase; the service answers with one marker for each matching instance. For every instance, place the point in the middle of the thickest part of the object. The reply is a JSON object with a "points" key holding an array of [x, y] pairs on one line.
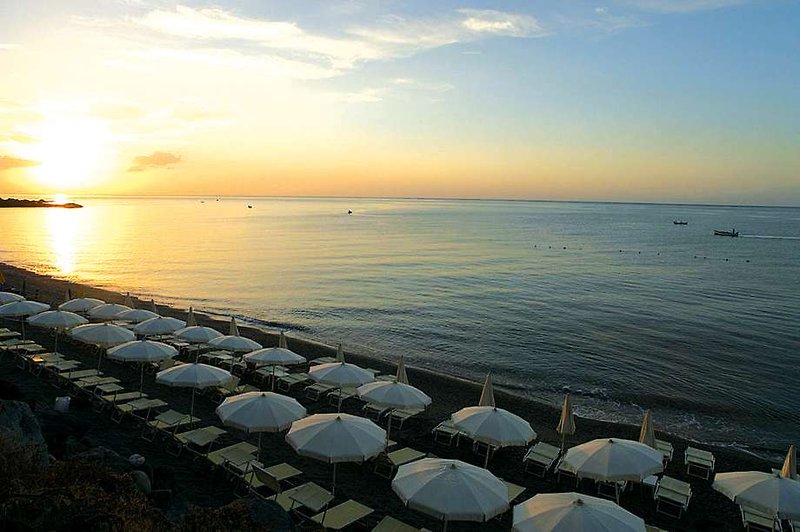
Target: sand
{"points": [[194, 484]]}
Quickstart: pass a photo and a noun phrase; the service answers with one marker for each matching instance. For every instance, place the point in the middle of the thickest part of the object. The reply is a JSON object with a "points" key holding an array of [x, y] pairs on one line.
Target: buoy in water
{"points": [[349, 211]]}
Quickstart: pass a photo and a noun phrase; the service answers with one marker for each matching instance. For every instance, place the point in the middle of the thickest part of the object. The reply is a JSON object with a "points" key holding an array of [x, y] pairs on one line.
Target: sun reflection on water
{"points": [[62, 226]]}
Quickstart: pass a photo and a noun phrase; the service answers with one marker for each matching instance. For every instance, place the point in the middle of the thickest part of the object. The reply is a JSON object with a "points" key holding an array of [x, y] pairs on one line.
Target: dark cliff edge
{"points": [[11, 202]]}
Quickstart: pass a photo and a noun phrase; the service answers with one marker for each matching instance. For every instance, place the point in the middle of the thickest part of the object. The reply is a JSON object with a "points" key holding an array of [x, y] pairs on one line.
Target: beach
{"points": [[708, 510]]}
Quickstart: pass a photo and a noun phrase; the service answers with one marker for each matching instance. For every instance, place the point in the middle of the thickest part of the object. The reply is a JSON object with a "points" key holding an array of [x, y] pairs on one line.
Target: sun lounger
{"points": [[565, 470], [390, 524], [649, 528], [91, 382], [398, 417], [238, 453], [672, 496], [168, 421], [514, 490], [757, 520], [342, 515], [286, 382], [375, 411], [309, 495], [541, 458], [341, 395], [270, 477], [315, 391], [107, 389], [135, 407], [198, 441], [666, 449], [79, 374], [699, 463], [121, 397], [386, 464], [446, 433], [233, 387], [611, 489]]}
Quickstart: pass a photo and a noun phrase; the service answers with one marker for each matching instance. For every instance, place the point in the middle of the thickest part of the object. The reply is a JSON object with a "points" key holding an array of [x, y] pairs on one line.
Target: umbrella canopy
{"points": [[260, 412], [81, 304], [9, 297], [493, 426], [142, 351], [159, 325], [573, 512], [57, 319], [22, 308], [274, 356], [196, 376], [197, 335], [487, 394], [613, 459], [451, 490], [102, 334], [136, 315], [647, 435], [191, 321], [107, 311], [238, 344], [340, 374], [336, 438], [393, 394]]}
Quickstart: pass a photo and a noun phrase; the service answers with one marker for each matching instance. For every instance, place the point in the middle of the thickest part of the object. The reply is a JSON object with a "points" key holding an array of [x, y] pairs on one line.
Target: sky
{"points": [[622, 100]]}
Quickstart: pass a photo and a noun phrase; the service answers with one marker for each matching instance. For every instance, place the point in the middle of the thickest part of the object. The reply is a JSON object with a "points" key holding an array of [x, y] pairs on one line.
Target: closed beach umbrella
{"points": [[142, 351], [493, 426], [613, 460], [136, 315], [107, 311], [647, 435], [22, 309], [451, 490], [274, 356], [196, 334], [158, 326], [102, 335], [81, 304], [573, 512], [195, 376], [335, 438], [487, 394], [566, 425], [58, 320], [774, 493], [191, 321], [9, 297], [260, 412], [789, 469]]}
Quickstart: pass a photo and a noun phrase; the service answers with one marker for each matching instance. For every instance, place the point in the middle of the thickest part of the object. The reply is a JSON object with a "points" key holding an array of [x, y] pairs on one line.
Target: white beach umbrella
{"points": [[107, 311], [647, 435], [196, 334], [260, 412], [136, 315], [81, 304], [58, 320], [777, 494], [335, 438], [451, 490], [22, 309], [102, 335], [10, 297], [493, 426], [573, 512], [340, 374], [195, 376], [237, 344], [142, 351], [566, 425], [159, 325], [274, 356], [613, 459]]}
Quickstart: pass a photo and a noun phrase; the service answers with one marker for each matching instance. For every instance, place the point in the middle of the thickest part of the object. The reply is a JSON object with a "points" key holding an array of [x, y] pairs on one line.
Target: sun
{"points": [[70, 151]]}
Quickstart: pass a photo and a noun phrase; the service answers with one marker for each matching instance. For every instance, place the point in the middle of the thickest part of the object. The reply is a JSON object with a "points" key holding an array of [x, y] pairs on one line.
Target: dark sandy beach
{"points": [[195, 485]]}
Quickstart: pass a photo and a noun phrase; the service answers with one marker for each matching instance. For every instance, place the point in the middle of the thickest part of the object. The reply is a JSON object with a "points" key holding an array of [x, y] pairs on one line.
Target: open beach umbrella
{"points": [[9, 297], [136, 315], [335, 438], [81, 304], [260, 412], [159, 325], [234, 342], [340, 374], [494, 426], [274, 356], [107, 311], [195, 376], [573, 512], [102, 335], [777, 494], [191, 321], [58, 320], [22, 309], [566, 425], [142, 351], [451, 490], [613, 459], [196, 334], [647, 435]]}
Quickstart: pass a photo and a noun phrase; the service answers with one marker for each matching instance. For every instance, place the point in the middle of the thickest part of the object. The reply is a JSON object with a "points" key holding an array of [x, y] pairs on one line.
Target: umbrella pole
{"points": [[563, 441], [444, 527], [273, 377], [23, 327], [339, 402], [55, 347], [258, 456], [99, 356], [191, 411], [486, 462], [333, 488], [141, 376]]}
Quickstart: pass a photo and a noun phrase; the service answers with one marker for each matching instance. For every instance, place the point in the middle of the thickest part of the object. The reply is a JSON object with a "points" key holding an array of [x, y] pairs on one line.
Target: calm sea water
{"points": [[610, 301]]}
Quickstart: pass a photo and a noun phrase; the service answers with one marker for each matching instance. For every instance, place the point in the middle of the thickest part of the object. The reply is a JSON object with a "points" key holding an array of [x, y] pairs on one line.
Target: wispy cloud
{"points": [[154, 160], [8, 162], [433, 86], [680, 6]]}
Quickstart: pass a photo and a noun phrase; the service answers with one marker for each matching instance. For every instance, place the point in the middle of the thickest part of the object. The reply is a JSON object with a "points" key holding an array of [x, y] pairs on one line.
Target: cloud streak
{"points": [[157, 159], [8, 162], [681, 6]]}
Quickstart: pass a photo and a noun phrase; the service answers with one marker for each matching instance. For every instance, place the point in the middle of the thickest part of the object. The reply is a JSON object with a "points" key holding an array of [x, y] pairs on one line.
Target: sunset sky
{"points": [[641, 100]]}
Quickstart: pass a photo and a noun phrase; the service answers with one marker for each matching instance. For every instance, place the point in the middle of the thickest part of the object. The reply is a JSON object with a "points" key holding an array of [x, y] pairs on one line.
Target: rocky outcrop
{"points": [[104, 456], [18, 426]]}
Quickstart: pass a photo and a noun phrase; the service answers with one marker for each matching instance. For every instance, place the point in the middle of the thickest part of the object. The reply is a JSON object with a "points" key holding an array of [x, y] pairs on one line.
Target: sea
{"points": [[609, 301]]}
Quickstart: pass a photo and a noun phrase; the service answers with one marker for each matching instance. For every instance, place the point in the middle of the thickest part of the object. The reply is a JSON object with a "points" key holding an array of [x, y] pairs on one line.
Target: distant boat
{"points": [[680, 222], [249, 206], [732, 233], [349, 211]]}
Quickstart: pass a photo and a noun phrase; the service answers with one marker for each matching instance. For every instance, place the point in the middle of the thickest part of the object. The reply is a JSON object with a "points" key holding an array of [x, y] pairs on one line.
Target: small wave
{"points": [[772, 237]]}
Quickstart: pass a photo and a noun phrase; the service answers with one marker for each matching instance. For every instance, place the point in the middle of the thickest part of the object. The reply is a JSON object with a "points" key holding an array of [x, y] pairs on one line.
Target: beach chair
{"points": [[666, 449], [336, 398], [287, 382], [309, 496], [611, 489], [168, 422], [758, 521], [541, 458], [387, 463], [375, 411], [315, 391], [699, 463], [650, 528], [236, 454], [390, 524], [135, 408], [272, 477], [445, 433], [343, 515], [198, 441], [233, 387], [514, 491], [672, 496], [118, 397], [564, 470], [398, 417]]}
